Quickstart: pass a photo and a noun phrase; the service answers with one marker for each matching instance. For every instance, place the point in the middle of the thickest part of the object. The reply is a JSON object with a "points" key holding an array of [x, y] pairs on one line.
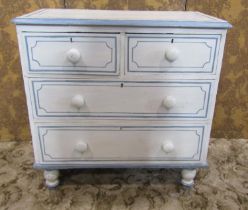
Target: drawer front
{"points": [[56, 98], [172, 53], [72, 53], [136, 143]]}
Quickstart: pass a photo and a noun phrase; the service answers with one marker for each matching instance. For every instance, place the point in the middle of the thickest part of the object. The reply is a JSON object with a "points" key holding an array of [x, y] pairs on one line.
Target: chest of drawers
{"points": [[120, 88]]}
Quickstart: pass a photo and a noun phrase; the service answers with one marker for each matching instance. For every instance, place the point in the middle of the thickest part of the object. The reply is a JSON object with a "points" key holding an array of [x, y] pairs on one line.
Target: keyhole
{"points": [[172, 40], [71, 39], [122, 85]]}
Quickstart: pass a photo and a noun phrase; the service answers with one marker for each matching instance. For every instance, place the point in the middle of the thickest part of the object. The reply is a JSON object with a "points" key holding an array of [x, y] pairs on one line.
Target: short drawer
{"points": [[112, 99], [113, 143], [172, 53], [72, 53]]}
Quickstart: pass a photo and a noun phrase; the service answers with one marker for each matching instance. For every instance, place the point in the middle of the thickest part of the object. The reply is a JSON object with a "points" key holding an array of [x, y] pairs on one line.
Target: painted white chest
{"points": [[120, 88]]}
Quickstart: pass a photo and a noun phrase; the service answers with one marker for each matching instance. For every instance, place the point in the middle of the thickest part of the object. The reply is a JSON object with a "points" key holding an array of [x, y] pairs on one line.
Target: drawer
{"points": [[112, 99], [172, 53], [72, 53], [113, 143]]}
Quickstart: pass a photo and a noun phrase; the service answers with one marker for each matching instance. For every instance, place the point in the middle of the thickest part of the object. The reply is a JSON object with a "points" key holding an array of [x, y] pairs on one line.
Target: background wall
{"points": [[231, 114]]}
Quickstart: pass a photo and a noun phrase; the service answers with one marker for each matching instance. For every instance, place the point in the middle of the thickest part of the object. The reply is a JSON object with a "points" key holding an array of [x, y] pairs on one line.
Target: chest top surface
{"points": [[121, 18]]}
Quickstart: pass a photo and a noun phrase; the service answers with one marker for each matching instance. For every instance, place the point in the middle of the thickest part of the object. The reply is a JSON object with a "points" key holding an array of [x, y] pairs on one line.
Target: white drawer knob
{"points": [[77, 101], [73, 55], [168, 146], [169, 102], [172, 54], [81, 147]]}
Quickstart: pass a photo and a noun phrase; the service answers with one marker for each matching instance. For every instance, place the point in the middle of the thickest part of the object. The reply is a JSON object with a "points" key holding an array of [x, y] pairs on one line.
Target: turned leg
{"points": [[188, 176], [51, 177]]}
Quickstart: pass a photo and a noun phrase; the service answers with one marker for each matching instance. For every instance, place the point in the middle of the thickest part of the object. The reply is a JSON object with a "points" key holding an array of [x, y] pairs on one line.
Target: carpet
{"points": [[224, 185]]}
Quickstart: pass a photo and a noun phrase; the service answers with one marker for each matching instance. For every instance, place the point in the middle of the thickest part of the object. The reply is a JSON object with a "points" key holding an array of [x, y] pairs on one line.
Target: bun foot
{"points": [[188, 176], [51, 178]]}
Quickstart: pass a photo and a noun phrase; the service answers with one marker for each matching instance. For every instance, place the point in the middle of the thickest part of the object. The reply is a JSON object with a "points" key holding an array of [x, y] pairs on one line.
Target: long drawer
{"points": [[120, 143], [72, 53], [120, 99], [172, 53]]}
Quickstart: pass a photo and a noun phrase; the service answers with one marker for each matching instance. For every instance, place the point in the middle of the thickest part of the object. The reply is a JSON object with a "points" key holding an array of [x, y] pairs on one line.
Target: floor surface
{"points": [[224, 185]]}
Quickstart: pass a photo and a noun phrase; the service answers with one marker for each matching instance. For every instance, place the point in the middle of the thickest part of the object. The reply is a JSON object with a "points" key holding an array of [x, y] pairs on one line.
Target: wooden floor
{"points": [[224, 185]]}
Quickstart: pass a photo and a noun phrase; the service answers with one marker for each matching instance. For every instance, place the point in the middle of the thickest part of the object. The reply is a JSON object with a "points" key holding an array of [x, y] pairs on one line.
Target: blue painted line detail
{"points": [[101, 164], [137, 23], [166, 69], [35, 93], [73, 70], [45, 130]]}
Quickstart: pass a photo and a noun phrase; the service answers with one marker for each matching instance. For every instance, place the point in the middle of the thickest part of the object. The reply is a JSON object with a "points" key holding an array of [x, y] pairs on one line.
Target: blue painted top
{"points": [[80, 17]]}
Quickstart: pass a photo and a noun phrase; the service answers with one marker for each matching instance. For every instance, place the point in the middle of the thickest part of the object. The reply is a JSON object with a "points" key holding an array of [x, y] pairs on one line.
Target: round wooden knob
{"points": [[168, 146], [169, 102], [77, 101], [73, 55], [172, 54], [81, 147]]}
